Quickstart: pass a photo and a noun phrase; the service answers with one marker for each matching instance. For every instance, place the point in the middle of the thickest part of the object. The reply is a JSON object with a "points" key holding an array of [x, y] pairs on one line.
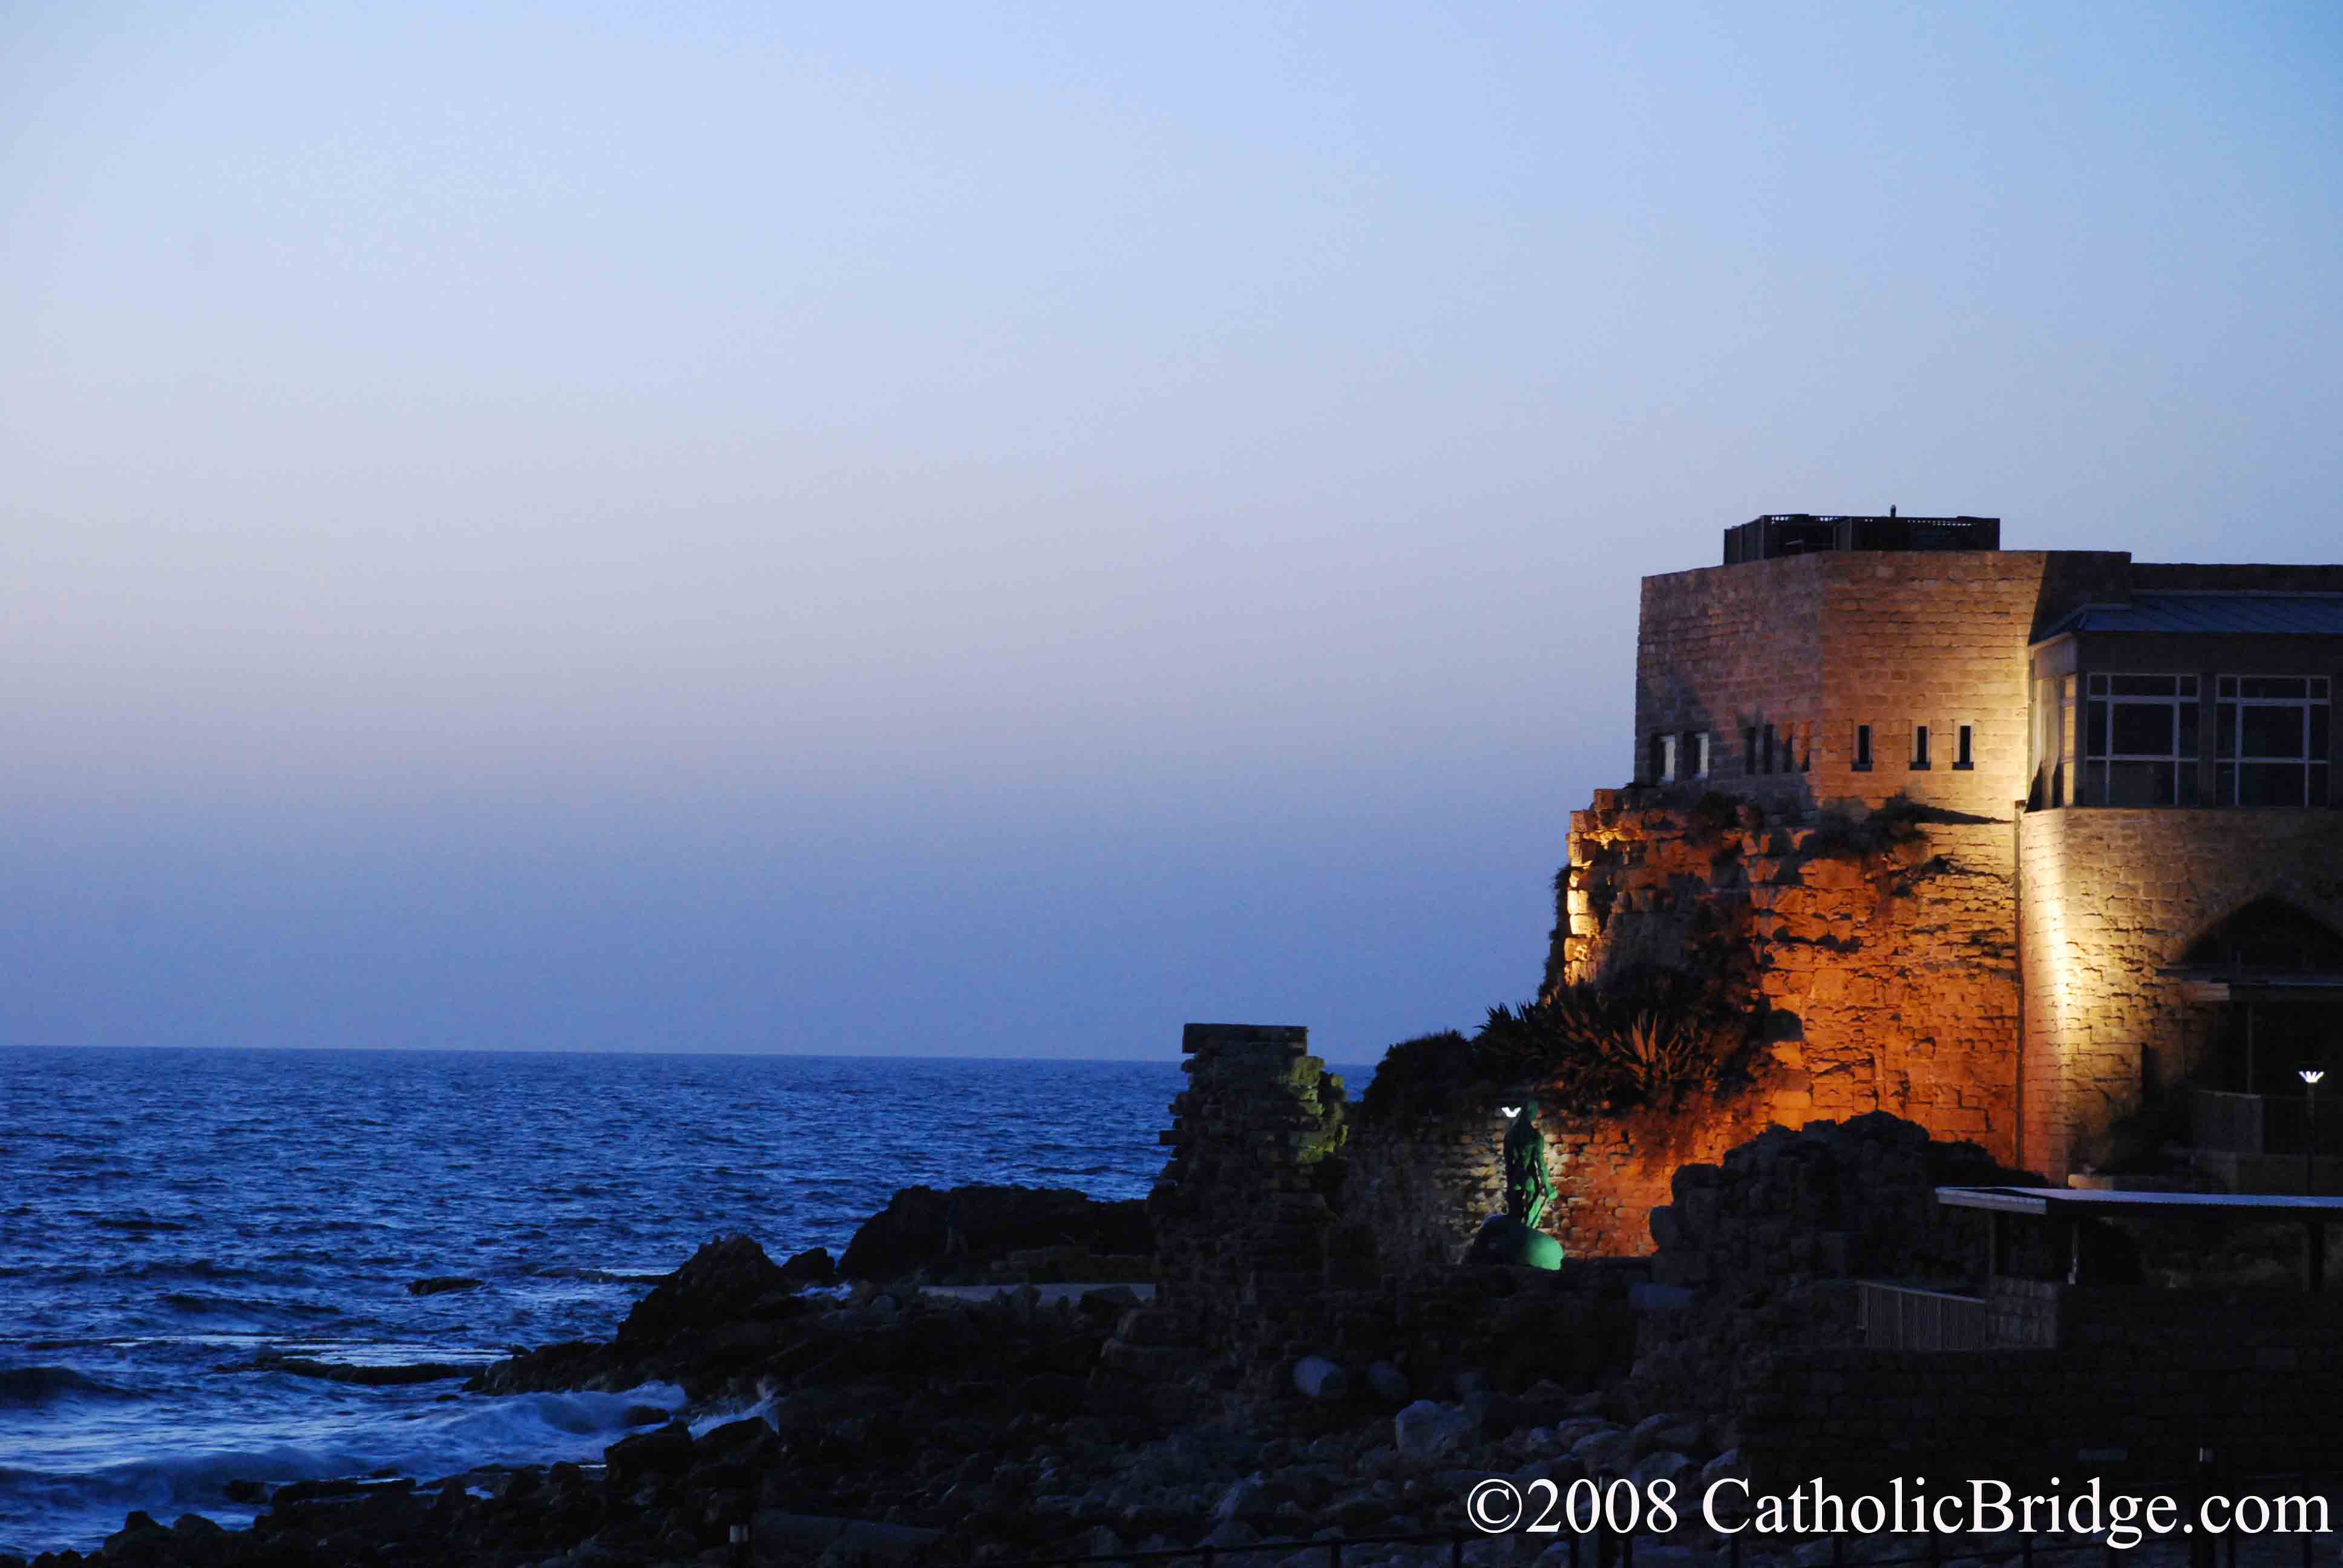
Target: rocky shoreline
{"points": [[895, 1424], [907, 1421], [896, 1419]]}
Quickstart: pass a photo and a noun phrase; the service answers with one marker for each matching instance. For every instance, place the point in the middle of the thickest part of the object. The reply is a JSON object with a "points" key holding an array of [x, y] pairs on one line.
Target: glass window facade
{"points": [[2139, 740], [2272, 740]]}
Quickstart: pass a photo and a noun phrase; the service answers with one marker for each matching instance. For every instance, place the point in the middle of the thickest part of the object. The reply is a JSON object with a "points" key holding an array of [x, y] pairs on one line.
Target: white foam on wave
{"points": [[42, 1510], [708, 1420]]}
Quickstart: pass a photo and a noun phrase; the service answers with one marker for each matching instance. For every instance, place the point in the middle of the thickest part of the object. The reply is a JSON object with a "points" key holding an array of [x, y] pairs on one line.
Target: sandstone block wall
{"points": [[1726, 649], [2110, 896], [1816, 645], [1890, 975]]}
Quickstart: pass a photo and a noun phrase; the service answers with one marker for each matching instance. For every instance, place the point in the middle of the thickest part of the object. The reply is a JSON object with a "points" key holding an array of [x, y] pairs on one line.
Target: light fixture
{"points": [[1511, 1109], [2310, 1074]]}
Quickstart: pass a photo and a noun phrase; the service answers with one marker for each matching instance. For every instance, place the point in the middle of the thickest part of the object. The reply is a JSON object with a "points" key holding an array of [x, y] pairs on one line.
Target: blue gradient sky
{"points": [[1002, 529]]}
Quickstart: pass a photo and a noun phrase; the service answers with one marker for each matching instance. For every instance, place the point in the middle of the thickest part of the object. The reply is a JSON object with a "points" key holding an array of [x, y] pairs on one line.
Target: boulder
{"points": [[1245, 1499], [440, 1284], [1679, 1433], [1320, 1378], [726, 1280], [961, 1234], [1229, 1534], [1664, 1465], [1052, 1393], [1610, 1451], [1426, 1429], [1390, 1384], [810, 1268], [667, 1451], [864, 1541], [1107, 1304]]}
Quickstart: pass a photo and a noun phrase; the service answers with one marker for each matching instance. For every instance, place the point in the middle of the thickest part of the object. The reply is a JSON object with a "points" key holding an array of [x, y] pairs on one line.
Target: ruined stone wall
{"points": [[1889, 969], [1420, 1189], [2110, 896], [1240, 1214]]}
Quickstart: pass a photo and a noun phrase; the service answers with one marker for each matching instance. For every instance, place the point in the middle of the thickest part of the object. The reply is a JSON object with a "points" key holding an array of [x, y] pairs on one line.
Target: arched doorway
{"points": [[2273, 978], [2277, 976]]}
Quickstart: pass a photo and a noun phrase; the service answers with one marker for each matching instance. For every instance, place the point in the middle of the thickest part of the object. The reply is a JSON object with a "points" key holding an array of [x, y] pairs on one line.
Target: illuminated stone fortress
{"points": [[2040, 849]]}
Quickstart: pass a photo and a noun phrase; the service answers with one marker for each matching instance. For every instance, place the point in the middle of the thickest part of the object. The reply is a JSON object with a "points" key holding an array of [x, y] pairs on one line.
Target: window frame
{"points": [[2230, 759], [2096, 740], [1862, 763]]}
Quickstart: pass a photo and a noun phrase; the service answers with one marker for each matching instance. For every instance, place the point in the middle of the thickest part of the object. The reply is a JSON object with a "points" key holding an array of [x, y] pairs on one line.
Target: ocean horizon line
{"points": [[606, 1051]]}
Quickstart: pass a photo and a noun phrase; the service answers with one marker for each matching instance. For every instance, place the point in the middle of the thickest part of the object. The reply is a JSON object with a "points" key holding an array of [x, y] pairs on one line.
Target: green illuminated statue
{"points": [[1528, 1189], [1513, 1237]]}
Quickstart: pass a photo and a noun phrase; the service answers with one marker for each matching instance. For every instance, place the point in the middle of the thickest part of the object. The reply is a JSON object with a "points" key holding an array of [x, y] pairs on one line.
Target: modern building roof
{"points": [[2066, 1200], [2227, 614], [1780, 534]]}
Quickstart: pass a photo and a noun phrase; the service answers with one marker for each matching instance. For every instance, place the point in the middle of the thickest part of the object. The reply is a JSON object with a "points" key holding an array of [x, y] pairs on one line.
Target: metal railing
{"points": [[2231, 1123], [1912, 1318], [1605, 1548]]}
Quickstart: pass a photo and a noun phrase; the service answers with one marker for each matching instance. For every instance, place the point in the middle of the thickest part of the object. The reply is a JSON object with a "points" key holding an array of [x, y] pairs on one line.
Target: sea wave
{"points": [[593, 1276], [44, 1509], [29, 1388]]}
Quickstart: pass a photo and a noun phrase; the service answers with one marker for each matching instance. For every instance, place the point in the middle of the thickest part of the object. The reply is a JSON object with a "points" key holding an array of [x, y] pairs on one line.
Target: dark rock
{"points": [[572, 1364], [245, 1491], [1320, 1379], [363, 1376], [439, 1285], [1107, 1304], [962, 1233], [733, 1436], [813, 1268], [728, 1280], [1052, 1393], [667, 1451]]}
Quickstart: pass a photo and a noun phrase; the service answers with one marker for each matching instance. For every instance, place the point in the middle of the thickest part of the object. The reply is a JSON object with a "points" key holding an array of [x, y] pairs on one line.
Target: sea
{"points": [[169, 1216]]}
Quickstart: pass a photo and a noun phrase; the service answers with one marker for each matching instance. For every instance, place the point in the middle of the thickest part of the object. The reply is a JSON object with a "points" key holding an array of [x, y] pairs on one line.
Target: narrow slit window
{"points": [[1965, 746], [1749, 749], [1664, 759], [1919, 746], [1700, 754], [1769, 749], [1863, 747]]}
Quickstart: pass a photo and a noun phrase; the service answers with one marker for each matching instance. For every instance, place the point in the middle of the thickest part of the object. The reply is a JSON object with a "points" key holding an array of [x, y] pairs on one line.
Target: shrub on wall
{"points": [[1647, 1039]]}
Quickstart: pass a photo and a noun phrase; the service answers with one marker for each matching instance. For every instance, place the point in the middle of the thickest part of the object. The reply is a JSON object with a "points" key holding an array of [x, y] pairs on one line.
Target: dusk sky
{"points": [[997, 530]]}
